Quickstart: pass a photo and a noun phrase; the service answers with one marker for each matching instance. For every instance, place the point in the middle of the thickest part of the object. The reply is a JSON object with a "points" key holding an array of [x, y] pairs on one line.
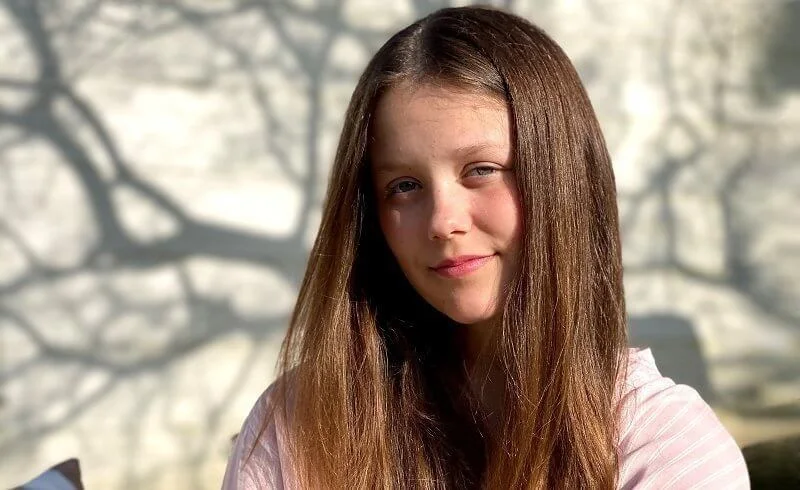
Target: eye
{"points": [[402, 187], [482, 171]]}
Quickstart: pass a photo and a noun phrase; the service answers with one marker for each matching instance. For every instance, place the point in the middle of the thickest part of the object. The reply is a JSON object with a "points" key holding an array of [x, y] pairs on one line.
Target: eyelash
{"points": [[392, 189], [493, 170]]}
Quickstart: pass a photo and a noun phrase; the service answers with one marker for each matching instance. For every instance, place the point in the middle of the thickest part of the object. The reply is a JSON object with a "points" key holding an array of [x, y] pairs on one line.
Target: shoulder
{"points": [[256, 459], [670, 437]]}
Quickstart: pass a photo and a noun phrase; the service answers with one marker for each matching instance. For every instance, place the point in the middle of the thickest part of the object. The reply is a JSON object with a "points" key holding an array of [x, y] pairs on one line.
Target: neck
{"points": [[475, 344]]}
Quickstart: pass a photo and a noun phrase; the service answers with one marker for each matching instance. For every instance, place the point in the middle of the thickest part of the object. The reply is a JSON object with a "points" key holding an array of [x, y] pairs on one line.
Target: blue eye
{"points": [[402, 187]]}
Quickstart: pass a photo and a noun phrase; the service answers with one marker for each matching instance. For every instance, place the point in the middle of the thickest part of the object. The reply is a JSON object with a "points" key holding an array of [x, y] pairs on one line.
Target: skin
{"points": [[443, 178]]}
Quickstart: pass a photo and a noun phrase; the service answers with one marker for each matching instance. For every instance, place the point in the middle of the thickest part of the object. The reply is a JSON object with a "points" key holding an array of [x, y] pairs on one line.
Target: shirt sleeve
{"points": [[255, 460], [671, 439]]}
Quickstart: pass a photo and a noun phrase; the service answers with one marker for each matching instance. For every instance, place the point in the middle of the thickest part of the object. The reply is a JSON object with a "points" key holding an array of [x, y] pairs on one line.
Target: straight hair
{"points": [[370, 386]]}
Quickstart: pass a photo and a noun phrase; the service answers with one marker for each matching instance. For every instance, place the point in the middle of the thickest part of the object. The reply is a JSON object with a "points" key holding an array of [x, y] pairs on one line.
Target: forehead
{"points": [[430, 121]]}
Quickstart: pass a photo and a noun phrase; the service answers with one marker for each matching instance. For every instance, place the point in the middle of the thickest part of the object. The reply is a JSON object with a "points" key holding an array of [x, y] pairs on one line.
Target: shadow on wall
{"points": [[742, 176], [679, 356], [779, 72], [676, 349], [49, 109]]}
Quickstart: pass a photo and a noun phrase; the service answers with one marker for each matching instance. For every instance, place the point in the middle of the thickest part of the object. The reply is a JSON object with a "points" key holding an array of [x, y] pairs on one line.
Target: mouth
{"points": [[461, 266]]}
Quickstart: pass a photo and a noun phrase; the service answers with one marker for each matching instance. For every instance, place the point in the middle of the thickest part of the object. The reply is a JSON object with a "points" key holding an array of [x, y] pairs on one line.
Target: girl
{"points": [[461, 323]]}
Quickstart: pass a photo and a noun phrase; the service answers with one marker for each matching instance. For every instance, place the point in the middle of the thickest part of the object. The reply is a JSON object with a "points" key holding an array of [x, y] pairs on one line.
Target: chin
{"points": [[464, 305], [470, 315], [472, 320]]}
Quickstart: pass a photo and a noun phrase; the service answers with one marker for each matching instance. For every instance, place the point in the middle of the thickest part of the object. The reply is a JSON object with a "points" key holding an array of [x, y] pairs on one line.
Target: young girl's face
{"points": [[446, 196]]}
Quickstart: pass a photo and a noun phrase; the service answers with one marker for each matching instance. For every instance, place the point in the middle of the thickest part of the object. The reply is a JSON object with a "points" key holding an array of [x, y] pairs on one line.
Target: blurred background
{"points": [[162, 165]]}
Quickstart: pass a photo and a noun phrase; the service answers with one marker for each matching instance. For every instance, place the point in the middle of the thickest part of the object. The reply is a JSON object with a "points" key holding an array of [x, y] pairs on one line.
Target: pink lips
{"points": [[462, 265]]}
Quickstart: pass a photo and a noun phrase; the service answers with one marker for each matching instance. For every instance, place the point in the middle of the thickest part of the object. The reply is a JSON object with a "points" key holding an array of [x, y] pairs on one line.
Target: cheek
{"points": [[398, 229], [501, 215]]}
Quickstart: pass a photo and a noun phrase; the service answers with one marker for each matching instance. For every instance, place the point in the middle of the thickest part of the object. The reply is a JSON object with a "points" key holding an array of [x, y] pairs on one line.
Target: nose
{"points": [[449, 214]]}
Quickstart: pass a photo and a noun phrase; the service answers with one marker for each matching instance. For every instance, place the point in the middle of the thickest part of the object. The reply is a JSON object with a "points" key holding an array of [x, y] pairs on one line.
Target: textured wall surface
{"points": [[162, 165]]}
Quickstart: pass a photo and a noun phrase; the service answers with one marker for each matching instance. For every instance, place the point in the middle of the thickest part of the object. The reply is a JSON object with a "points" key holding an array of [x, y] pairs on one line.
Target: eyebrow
{"points": [[468, 150], [460, 153]]}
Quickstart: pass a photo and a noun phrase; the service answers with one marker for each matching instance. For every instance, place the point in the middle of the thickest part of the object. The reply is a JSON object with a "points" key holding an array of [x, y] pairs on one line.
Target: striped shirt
{"points": [[669, 439]]}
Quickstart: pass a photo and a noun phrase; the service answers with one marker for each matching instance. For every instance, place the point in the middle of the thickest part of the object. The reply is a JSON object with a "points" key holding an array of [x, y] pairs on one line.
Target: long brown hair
{"points": [[369, 385]]}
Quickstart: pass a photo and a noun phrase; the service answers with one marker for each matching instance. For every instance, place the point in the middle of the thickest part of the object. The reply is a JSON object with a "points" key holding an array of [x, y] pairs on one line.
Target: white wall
{"points": [[161, 170]]}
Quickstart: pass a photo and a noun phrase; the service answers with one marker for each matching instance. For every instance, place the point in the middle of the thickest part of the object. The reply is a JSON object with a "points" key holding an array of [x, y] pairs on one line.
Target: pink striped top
{"points": [[670, 439]]}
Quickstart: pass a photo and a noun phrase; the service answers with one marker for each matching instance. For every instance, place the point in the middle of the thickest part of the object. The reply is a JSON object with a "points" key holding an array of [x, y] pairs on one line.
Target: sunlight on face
{"points": [[446, 196]]}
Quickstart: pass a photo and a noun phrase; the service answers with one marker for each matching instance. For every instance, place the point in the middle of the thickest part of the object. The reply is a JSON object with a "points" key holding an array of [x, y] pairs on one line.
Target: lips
{"points": [[461, 265]]}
